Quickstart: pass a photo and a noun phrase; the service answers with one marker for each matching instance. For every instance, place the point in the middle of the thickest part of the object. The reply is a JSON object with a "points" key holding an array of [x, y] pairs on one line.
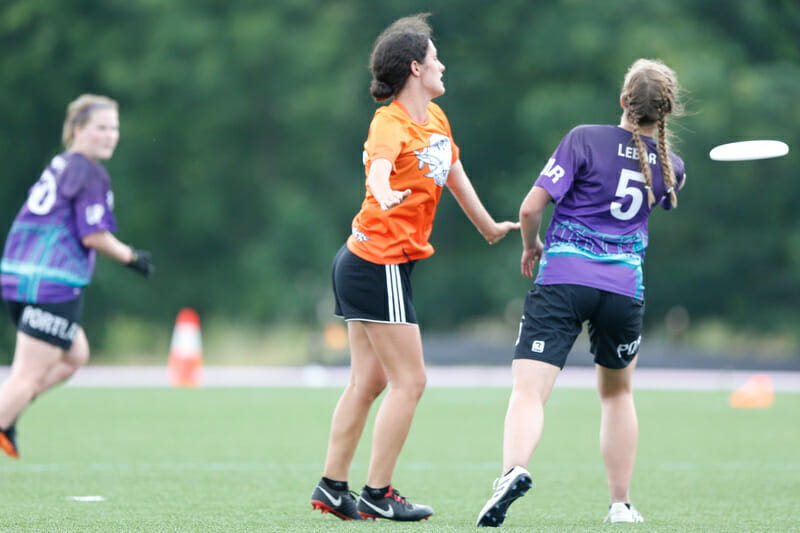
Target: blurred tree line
{"points": [[242, 125]]}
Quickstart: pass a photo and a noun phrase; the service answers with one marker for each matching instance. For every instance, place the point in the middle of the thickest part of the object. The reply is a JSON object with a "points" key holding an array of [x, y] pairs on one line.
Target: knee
{"points": [[421, 384], [78, 354], [616, 393], [531, 394], [78, 358], [414, 386]]}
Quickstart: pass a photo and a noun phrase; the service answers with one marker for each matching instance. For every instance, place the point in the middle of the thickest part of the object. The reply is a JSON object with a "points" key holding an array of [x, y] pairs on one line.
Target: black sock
{"points": [[335, 485], [377, 493]]}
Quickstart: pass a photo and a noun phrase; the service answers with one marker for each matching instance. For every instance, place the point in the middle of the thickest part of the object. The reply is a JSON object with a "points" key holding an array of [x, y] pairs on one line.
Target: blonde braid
{"points": [[644, 168], [666, 164]]}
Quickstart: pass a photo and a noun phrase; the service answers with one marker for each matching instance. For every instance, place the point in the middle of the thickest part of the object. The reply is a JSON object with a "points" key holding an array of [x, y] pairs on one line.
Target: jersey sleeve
{"points": [[93, 205], [73, 179], [680, 171], [679, 168], [385, 139], [558, 174]]}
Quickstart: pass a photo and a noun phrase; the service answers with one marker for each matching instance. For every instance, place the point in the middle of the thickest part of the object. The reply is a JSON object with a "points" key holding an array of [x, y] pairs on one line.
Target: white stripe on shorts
{"points": [[394, 291], [401, 297]]}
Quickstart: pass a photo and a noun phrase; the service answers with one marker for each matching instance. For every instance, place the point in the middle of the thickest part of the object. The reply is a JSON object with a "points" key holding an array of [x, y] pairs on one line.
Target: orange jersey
{"points": [[421, 155]]}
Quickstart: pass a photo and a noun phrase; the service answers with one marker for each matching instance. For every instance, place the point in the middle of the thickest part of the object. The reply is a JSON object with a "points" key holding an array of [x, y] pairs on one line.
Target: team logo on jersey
{"points": [[438, 155], [360, 236], [94, 214]]}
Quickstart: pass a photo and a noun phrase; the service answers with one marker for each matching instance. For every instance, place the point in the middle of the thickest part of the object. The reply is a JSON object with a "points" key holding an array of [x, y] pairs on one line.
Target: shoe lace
{"points": [[392, 493]]}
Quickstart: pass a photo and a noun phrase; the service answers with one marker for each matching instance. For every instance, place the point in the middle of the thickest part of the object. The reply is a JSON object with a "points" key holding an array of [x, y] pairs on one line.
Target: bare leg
{"points": [[532, 383], [399, 349], [367, 381], [33, 360], [75, 358], [619, 429]]}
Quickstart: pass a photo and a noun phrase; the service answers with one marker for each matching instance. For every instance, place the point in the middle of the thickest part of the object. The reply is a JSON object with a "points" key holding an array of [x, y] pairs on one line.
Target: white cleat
{"points": [[620, 513], [506, 489]]}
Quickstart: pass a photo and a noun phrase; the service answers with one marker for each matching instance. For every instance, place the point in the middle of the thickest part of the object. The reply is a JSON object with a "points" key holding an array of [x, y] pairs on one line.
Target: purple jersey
{"points": [[598, 234], [44, 260]]}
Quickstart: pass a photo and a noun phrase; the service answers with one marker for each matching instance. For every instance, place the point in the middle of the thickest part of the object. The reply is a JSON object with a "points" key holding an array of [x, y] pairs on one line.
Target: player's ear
{"points": [[622, 101]]}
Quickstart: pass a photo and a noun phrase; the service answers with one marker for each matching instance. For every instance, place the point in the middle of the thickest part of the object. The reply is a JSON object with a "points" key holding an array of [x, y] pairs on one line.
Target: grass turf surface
{"points": [[247, 460]]}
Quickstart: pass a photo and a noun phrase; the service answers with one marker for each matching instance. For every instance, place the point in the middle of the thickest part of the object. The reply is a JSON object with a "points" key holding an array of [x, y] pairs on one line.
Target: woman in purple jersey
{"points": [[49, 258], [604, 181]]}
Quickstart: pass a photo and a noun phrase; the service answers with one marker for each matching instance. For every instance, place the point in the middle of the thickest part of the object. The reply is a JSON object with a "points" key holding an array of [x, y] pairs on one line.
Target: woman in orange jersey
{"points": [[409, 156]]}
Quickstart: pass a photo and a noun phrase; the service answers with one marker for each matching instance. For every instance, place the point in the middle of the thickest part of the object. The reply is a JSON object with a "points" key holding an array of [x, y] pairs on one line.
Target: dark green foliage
{"points": [[243, 124]]}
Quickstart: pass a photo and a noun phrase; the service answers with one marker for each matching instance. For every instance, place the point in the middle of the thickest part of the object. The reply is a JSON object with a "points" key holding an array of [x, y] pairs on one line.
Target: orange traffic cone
{"points": [[185, 367], [756, 393]]}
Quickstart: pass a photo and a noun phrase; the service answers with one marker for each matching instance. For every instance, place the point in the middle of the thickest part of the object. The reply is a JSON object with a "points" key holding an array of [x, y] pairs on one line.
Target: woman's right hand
{"points": [[530, 256], [381, 189]]}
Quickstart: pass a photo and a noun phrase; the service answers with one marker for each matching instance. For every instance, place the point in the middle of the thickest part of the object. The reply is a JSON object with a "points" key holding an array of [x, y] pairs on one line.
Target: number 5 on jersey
{"points": [[627, 187]]}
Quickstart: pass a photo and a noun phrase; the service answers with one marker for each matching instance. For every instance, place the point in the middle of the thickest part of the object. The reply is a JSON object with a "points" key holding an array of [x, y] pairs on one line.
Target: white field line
{"points": [[438, 377]]}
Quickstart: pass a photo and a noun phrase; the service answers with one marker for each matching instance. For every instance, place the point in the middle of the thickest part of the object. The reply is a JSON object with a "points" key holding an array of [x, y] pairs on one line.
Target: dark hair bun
{"points": [[380, 90]]}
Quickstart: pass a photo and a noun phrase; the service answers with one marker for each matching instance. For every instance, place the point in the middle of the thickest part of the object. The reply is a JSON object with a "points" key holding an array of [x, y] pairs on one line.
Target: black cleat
{"points": [[391, 506], [8, 441], [341, 503]]}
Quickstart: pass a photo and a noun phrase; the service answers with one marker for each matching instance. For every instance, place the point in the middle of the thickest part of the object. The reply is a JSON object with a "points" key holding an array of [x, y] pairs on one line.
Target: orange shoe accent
{"points": [[7, 447], [185, 368], [757, 393]]}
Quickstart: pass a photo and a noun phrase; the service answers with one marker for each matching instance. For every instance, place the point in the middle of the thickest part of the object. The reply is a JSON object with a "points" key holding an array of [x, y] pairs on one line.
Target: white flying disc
{"points": [[748, 150]]}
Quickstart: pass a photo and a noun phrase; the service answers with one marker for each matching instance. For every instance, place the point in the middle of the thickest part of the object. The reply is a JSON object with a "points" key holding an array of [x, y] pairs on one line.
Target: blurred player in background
{"points": [[409, 157], [49, 257], [604, 181]]}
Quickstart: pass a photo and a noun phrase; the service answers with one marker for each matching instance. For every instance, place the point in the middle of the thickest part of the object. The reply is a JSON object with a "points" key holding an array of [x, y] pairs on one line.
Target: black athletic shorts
{"points": [[370, 292], [554, 315], [53, 323]]}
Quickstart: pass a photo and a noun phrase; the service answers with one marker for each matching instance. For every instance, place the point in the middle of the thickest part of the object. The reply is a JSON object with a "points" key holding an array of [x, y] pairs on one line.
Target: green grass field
{"points": [[247, 460]]}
